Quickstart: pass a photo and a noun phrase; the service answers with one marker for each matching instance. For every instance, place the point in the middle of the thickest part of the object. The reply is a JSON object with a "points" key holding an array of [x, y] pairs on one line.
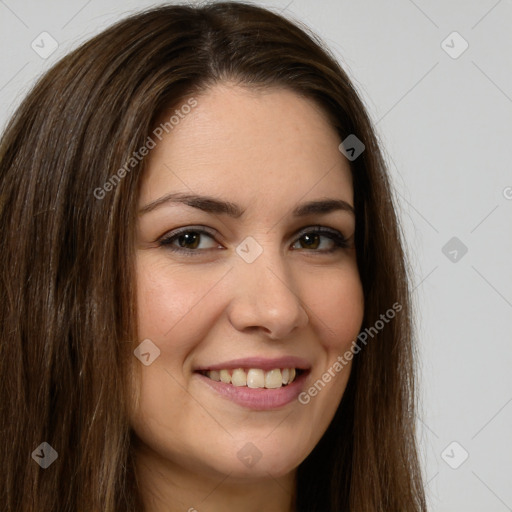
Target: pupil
{"points": [[311, 240], [189, 238]]}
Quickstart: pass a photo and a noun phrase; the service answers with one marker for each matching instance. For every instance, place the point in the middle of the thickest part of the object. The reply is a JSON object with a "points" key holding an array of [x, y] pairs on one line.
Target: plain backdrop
{"points": [[442, 106]]}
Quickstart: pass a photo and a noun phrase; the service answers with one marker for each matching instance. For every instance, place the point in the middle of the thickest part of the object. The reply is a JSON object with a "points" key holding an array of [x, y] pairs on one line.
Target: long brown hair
{"points": [[67, 309]]}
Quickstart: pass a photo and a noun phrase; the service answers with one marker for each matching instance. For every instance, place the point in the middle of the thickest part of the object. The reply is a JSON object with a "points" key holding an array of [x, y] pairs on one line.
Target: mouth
{"points": [[254, 377], [256, 383]]}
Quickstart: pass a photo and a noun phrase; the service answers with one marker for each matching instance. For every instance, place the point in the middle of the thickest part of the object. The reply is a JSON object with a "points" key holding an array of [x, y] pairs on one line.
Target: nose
{"points": [[266, 298]]}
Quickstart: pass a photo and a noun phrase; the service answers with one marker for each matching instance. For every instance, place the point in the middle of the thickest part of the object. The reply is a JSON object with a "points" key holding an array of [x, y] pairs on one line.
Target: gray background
{"points": [[445, 125]]}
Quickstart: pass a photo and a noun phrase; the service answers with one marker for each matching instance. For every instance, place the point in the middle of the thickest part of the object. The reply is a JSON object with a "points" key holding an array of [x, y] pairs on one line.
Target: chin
{"points": [[273, 466], [261, 458]]}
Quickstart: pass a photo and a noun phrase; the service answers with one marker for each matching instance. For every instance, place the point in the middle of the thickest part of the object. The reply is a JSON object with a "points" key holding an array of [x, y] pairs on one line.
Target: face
{"points": [[241, 278]]}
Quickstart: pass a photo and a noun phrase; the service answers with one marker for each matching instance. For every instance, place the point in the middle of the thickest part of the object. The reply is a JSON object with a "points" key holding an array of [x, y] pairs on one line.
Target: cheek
{"points": [[336, 304], [168, 297]]}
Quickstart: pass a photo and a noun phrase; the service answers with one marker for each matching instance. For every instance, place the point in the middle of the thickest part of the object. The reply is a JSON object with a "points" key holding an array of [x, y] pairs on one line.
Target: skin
{"points": [[267, 151]]}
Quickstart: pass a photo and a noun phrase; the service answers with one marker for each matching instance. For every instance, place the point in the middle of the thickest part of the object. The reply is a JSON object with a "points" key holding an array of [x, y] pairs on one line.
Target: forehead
{"points": [[272, 146]]}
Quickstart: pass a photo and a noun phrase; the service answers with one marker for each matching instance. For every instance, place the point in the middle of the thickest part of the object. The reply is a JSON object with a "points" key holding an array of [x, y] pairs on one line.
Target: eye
{"points": [[314, 239], [188, 240]]}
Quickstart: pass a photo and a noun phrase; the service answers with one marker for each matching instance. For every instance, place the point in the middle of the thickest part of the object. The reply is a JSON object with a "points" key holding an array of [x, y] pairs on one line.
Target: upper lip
{"points": [[262, 363]]}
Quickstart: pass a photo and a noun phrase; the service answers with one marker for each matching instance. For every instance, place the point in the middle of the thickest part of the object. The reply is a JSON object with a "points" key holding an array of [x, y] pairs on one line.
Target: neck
{"points": [[169, 487]]}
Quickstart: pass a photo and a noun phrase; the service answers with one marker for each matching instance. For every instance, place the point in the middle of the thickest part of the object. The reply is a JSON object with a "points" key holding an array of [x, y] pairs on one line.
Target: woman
{"points": [[204, 297]]}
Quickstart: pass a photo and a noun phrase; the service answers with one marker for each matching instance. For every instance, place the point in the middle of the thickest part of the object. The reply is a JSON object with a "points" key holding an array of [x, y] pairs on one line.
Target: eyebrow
{"points": [[212, 205]]}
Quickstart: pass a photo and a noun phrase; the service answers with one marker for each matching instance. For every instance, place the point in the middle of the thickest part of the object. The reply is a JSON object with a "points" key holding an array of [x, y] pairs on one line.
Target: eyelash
{"points": [[340, 242]]}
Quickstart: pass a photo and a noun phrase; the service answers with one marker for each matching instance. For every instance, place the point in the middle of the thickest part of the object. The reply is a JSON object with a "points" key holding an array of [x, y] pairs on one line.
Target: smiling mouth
{"points": [[254, 377]]}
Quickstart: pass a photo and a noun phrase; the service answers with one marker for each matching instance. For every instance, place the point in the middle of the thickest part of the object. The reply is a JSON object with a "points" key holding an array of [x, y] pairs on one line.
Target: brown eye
{"points": [[188, 241], [314, 239], [310, 241]]}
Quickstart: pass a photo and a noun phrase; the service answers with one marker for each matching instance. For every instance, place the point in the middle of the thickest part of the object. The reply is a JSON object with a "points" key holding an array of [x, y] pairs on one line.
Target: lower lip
{"points": [[260, 399]]}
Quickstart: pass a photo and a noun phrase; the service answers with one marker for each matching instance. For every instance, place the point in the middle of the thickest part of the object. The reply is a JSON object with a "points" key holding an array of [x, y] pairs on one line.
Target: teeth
{"points": [[239, 378], [254, 377], [225, 377], [273, 379]]}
